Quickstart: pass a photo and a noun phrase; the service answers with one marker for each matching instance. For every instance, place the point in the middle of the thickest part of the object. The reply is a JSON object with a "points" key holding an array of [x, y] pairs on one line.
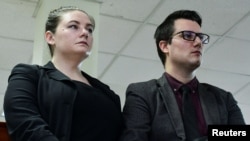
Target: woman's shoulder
{"points": [[25, 68]]}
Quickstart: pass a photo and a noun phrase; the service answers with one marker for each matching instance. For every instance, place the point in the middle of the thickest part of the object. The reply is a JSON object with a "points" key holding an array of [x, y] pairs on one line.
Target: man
{"points": [[154, 110]]}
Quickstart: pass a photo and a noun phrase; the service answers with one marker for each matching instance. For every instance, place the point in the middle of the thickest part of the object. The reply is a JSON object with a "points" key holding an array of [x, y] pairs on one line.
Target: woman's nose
{"points": [[85, 33]]}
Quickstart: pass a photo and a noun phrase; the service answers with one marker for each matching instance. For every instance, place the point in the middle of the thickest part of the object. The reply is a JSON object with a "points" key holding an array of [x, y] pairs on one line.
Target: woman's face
{"points": [[73, 36]]}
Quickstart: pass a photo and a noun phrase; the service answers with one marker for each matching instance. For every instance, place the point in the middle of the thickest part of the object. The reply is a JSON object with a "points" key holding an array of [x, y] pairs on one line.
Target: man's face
{"points": [[183, 52]]}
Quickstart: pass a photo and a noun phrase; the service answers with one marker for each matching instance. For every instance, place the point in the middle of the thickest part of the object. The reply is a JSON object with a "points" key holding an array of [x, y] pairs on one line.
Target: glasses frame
{"points": [[200, 35]]}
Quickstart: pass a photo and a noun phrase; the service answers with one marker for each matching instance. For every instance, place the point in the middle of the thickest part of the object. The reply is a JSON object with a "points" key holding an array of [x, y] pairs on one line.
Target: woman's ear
{"points": [[164, 46], [49, 37]]}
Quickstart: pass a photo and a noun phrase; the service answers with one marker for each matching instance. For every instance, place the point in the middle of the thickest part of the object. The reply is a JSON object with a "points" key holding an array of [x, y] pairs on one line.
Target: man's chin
{"points": [[196, 65]]}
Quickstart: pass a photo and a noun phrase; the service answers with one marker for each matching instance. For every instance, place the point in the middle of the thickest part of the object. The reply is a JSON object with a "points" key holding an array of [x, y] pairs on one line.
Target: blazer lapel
{"points": [[53, 72], [171, 106]]}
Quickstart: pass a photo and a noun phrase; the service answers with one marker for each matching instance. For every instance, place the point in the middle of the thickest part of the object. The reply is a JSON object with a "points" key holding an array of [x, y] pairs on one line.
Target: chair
{"points": [[4, 136]]}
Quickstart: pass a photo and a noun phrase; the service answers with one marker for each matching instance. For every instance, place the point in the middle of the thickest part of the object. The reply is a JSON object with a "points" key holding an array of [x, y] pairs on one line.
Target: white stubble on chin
{"points": [[88, 53]]}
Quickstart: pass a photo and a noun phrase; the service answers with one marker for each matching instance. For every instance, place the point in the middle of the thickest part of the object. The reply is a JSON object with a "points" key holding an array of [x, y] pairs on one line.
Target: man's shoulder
{"points": [[150, 82], [143, 88], [210, 86], [213, 88]]}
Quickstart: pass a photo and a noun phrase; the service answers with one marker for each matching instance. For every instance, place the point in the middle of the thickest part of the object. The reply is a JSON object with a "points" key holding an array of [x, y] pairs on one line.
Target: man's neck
{"points": [[181, 74]]}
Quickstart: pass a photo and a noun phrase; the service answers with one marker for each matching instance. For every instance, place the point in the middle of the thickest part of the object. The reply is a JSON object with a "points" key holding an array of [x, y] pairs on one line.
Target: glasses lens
{"points": [[187, 35], [204, 38]]}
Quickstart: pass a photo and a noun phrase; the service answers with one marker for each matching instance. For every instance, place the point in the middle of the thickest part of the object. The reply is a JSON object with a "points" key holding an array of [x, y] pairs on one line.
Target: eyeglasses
{"points": [[191, 36]]}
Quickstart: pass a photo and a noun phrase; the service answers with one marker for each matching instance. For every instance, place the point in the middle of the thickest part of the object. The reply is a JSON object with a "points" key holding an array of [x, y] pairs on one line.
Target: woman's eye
{"points": [[90, 30], [73, 26]]}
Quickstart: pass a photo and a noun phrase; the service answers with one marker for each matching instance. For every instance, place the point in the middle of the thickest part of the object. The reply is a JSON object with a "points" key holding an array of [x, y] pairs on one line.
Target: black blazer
{"points": [[151, 112], [38, 97]]}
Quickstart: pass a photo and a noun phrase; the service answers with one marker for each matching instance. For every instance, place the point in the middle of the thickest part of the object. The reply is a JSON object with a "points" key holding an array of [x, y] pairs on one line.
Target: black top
{"points": [[39, 105], [95, 115]]}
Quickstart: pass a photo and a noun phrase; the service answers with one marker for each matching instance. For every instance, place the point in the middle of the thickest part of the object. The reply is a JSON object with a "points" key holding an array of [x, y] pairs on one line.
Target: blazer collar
{"points": [[57, 75], [52, 72], [171, 105], [207, 99]]}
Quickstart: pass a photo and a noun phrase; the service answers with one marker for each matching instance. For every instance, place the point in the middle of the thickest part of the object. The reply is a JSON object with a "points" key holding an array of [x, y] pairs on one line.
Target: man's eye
{"points": [[201, 37], [188, 36]]}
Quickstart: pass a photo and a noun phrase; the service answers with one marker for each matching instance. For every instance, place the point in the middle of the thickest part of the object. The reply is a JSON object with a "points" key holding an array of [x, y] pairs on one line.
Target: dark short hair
{"points": [[166, 29], [55, 17]]}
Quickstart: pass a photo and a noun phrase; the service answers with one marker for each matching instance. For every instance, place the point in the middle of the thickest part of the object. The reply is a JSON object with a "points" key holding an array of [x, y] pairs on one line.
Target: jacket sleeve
{"points": [[229, 111], [21, 109], [235, 115], [136, 115]]}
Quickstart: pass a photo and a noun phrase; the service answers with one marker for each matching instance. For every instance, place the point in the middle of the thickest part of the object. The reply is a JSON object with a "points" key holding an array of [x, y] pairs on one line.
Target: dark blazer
{"points": [[39, 98], [151, 112]]}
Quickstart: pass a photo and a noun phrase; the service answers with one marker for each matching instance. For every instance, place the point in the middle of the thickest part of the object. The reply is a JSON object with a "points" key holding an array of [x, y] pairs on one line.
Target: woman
{"points": [[58, 101]]}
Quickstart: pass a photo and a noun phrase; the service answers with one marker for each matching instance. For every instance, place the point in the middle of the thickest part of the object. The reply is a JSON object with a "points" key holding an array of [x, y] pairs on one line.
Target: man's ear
{"points": [[164, 46], [49, 37]]}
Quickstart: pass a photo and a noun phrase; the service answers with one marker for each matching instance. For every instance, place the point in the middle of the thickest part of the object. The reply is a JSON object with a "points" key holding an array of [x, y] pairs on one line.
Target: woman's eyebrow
{"points": [[77, 22]]}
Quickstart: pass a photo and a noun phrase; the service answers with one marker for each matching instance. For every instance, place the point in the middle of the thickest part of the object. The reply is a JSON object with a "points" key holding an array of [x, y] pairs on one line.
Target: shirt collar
{"points": [[175, 84]]}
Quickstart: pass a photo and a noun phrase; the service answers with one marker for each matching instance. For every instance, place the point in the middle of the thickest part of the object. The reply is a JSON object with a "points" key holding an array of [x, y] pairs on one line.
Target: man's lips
{"points": [[197, 52]]}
